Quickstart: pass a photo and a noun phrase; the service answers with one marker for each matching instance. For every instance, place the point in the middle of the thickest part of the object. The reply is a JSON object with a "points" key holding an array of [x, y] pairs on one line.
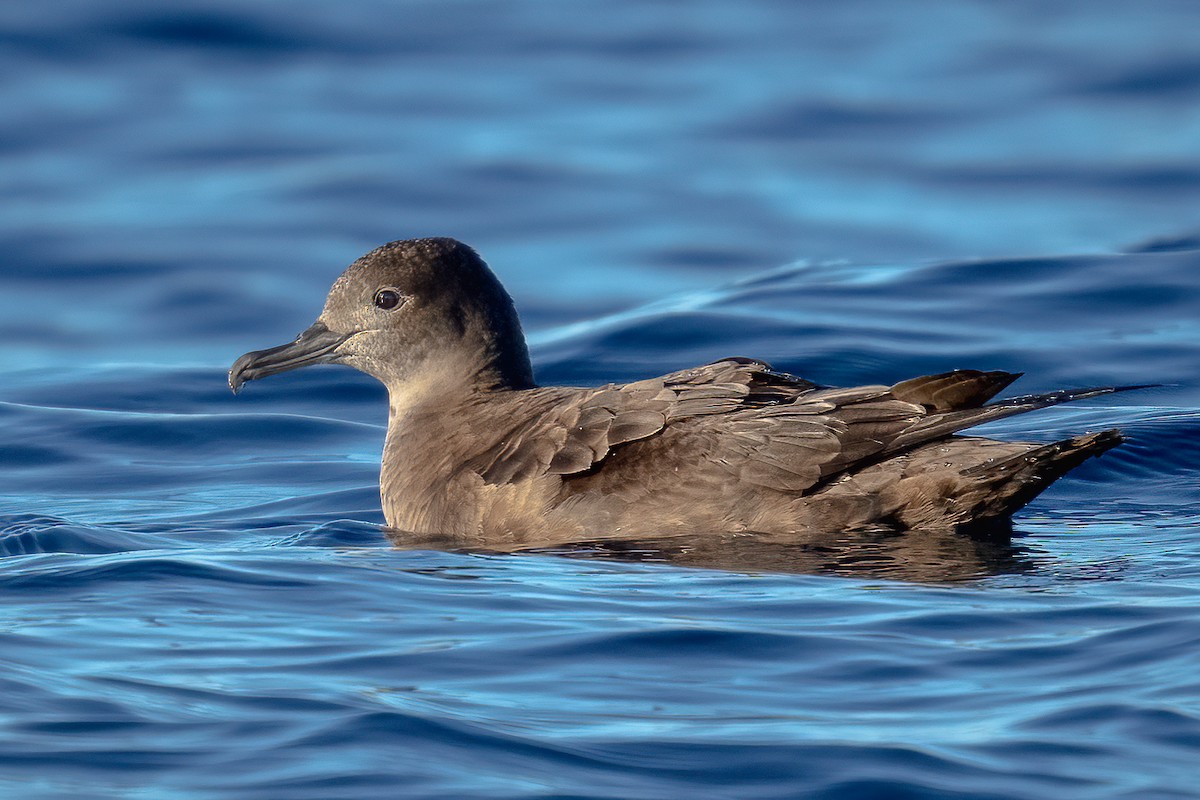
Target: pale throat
{"points": [[427, 411], [427, 446]]}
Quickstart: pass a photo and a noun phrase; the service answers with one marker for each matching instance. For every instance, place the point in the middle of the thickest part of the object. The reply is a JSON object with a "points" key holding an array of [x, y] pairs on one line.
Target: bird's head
{"points": [[406, 309]]}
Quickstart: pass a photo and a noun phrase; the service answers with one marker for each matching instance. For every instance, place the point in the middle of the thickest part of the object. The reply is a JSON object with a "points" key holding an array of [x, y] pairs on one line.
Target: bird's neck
{"points": [[503, 360], [467, 374], [430, 438], [430, 432]]}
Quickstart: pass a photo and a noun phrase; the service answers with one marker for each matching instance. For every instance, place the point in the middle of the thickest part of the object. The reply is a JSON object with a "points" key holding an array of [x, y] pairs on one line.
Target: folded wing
{"points": [[767, 428]]}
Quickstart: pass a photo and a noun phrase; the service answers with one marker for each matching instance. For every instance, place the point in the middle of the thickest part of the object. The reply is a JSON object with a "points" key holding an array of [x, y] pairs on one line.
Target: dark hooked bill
{"points": [[316, 345]]}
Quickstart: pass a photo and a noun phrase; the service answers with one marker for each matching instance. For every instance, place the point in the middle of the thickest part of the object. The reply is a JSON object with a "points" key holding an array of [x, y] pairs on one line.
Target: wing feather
{"points": [[767, 428]]}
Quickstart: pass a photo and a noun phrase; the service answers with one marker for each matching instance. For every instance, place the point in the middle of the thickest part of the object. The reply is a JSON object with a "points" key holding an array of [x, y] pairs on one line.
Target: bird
{"points": [[478, 452]]}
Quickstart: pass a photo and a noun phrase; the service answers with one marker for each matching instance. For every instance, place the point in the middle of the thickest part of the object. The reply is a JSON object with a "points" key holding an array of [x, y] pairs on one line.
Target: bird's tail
{"points": [[1012, 482], [970, 483]]}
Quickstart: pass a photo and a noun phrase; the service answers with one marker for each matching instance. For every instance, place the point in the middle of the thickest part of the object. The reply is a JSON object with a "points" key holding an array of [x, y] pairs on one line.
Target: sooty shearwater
{"points": [[477, 451]]}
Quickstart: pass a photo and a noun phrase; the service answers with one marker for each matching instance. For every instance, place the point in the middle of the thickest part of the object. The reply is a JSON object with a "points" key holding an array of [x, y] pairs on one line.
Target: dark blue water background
{"points": [[196, 600]]}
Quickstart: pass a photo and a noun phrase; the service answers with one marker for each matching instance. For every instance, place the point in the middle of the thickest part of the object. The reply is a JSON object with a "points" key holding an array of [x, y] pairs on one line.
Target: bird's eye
{"points": [[387, 298]]}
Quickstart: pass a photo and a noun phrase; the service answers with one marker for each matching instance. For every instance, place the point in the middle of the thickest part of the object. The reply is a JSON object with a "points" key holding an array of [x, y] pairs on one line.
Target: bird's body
{"points": [[475, 451]]}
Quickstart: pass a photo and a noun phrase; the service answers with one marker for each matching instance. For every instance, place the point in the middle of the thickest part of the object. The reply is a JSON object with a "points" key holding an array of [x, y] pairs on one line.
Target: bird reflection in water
{"points": [[930, 556]]}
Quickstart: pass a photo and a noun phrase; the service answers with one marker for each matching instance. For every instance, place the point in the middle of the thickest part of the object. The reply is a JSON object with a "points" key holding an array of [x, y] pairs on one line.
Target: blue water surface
{"points": [[196, 597]]}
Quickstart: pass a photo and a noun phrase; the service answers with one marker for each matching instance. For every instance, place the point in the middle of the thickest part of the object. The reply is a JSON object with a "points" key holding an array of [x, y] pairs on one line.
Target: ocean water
{"points": [[196, 596]]}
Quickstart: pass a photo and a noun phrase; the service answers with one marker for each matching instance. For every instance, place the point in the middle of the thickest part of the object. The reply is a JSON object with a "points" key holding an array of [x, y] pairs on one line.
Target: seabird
{"points": [[477, 451]]}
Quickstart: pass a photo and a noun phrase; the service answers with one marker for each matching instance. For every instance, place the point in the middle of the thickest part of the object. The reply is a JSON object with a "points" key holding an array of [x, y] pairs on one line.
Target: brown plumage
{"points": [[476, 452]]}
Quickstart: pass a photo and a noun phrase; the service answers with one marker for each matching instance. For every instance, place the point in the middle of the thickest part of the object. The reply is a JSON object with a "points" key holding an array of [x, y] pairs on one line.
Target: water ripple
{"points": [[199, 600]]}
